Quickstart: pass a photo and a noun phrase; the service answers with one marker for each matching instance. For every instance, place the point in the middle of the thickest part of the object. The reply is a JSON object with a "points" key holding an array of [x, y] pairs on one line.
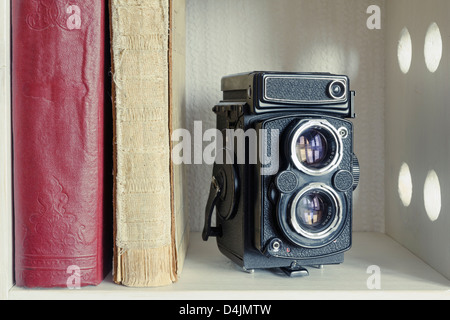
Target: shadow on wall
{"points": [[233, 36]]}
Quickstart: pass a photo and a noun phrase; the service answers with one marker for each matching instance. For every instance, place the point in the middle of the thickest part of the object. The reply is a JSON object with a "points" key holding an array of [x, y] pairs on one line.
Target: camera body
{"points": [[291, 207]]}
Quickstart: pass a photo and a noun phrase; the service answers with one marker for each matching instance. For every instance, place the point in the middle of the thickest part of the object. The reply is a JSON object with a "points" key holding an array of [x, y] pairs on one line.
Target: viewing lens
{"points": [[312, 148], [315, 149]]}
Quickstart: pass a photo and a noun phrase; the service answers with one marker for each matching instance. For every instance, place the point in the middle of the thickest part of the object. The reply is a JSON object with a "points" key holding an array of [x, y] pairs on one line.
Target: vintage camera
{"points": [[290, 208]]}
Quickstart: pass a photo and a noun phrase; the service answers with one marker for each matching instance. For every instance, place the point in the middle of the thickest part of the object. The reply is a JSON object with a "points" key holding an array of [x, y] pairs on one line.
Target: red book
{"points": [[58, 115]]}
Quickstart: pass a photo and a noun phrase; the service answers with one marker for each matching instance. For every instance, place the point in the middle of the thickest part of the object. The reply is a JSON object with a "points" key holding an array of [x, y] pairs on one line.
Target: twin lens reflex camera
{"points": [[284, 179]]}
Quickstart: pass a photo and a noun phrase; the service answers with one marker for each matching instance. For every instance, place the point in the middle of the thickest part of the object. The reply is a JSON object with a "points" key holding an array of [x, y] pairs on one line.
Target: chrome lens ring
{"points": [[327, 138], [333, 218]]}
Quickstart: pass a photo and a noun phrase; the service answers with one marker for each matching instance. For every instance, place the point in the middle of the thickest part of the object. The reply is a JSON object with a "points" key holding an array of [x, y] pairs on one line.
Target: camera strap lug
{"points": [[352, 104], [214, 195]]}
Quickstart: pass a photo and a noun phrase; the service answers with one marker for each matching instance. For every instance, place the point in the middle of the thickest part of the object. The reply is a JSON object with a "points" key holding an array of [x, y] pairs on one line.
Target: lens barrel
{"points": [[316, 147], [316, 212]]}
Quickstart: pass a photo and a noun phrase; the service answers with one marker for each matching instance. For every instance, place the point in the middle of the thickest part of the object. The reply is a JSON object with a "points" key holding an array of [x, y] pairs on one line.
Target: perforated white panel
{"points": [[417, 130]]}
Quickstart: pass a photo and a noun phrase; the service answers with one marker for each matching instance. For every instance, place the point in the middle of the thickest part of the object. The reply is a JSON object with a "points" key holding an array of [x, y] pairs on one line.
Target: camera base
{"points": [[249, 271], [295, 271]]}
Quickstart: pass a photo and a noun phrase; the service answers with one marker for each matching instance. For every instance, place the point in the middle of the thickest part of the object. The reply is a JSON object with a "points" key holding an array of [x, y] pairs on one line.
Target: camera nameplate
{"points": [[297, 82]]}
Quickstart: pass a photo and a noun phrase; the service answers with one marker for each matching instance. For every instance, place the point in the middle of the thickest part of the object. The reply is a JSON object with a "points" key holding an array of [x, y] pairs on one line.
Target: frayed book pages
{"points": [[150, 226]]}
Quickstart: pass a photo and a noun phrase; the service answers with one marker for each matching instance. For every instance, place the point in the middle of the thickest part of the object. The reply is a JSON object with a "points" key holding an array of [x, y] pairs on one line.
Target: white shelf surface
{"points": [[208, 275]]}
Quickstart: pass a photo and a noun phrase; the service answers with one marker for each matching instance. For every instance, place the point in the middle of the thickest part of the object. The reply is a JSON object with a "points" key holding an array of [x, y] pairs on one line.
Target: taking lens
{"points": [[316, 214], [314, 211]]}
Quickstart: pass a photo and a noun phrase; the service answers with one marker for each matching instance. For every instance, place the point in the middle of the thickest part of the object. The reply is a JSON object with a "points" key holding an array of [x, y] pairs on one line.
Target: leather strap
{"points": [[214, 195]]}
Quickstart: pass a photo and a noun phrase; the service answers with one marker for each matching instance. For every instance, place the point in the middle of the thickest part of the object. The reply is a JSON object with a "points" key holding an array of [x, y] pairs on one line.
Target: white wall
{"points": [[231, 36], [418, 132]]}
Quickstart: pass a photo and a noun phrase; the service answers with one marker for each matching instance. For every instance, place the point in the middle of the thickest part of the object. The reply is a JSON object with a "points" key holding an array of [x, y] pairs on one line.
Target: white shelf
{"points": [[209, 275]]}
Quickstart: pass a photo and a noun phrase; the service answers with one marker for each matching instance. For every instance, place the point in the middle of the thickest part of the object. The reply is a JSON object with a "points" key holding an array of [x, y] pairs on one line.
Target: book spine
{"points": [[145, 253], [177, 119], [6, 254], [58, 100]]}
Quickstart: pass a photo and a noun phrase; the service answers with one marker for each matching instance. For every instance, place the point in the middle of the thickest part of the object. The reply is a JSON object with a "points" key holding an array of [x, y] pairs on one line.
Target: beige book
{"points": [[151, 229]]}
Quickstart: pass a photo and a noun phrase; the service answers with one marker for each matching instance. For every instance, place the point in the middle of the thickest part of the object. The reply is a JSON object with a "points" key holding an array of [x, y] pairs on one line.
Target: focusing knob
{"points": [[356, 172], [228, 178], [343, 180], [286, 182]]}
